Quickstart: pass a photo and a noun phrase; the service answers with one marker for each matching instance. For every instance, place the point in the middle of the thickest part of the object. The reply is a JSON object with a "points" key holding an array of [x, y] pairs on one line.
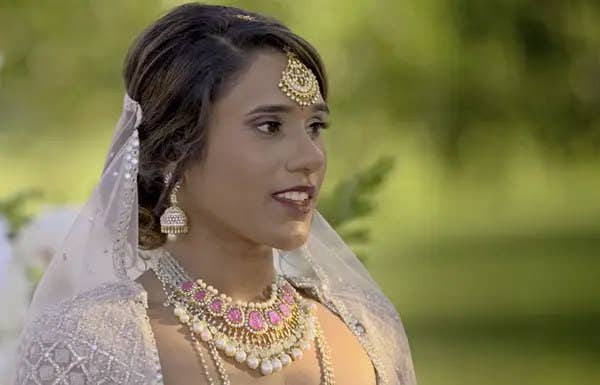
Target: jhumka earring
{"points": [[173, 221], [298, 82]]}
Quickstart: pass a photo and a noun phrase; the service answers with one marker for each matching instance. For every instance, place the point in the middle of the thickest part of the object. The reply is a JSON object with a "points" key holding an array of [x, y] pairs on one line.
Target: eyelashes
{"points": [[271, 124], [273, 127]]}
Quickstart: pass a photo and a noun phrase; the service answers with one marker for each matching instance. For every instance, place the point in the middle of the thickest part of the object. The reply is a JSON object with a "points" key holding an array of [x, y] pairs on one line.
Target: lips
{"points": [[309, 189], [295, 207], [301, 207]]}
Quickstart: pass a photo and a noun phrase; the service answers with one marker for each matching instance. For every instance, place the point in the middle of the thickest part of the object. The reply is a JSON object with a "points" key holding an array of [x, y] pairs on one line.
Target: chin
{"points": [[291, 240]]}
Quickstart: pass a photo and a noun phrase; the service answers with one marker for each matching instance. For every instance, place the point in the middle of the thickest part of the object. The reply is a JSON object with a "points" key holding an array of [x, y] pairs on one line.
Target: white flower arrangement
{"points": [[32, 249], [5, 247], [36, 243], [8, 277], [14, 296]]}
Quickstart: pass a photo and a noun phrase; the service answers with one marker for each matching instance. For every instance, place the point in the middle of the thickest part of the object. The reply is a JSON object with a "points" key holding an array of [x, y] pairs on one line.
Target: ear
{"points": [[192, 171], [185, 177]]}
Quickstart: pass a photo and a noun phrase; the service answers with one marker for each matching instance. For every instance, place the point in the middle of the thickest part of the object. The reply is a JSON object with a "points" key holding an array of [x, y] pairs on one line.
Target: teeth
{"points": [[293, 195]]}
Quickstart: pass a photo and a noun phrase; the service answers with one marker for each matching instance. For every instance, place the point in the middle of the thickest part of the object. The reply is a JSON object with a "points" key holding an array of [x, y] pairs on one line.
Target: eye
{"points": [[317, 127], [272, 127]]}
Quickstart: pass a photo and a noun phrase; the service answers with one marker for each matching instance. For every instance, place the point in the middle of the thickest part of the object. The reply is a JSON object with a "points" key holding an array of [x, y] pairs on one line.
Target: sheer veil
{"points": [[102, 248]]}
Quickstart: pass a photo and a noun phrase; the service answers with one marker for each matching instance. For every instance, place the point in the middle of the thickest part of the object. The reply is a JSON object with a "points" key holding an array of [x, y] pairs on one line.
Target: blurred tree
{"points": [[459, 67]]}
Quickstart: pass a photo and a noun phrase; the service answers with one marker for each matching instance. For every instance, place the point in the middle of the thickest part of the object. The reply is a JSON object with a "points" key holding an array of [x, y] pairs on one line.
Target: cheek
{"points": [[233, 181]]}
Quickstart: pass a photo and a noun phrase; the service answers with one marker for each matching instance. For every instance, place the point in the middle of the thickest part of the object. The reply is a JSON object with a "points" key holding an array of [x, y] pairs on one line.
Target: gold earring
{"points": [[173, 221]]}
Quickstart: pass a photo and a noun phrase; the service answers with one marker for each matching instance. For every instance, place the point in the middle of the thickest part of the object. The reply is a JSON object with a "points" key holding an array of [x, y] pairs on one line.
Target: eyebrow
{"points": [[322, 107]]}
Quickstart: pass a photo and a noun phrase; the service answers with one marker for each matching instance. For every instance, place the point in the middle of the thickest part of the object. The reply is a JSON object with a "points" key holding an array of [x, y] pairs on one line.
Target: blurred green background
{"points": [[486, 231]]}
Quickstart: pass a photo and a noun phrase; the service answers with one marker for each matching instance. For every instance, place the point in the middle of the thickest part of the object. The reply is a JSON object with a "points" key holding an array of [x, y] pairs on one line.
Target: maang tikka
{"points": [[173, 221], [298, 82]]}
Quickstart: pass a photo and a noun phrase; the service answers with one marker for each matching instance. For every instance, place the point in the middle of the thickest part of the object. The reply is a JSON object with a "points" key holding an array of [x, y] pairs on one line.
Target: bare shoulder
{"points": [[351, 364]]}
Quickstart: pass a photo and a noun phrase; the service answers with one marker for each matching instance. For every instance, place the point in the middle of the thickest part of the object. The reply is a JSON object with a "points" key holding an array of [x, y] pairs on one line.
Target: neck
{"points": [[234, 266]]}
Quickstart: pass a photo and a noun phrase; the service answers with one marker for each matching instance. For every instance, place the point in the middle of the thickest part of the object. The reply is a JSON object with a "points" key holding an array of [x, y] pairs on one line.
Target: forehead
{"points": [[258, 85]]}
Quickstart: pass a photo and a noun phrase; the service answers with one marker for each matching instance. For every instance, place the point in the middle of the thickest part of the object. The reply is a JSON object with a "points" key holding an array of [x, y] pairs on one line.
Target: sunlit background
{"points": [[486, 230]]}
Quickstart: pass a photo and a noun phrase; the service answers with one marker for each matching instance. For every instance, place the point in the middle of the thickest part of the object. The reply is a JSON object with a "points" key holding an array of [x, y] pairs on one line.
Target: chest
{"points": [[181, 363]]}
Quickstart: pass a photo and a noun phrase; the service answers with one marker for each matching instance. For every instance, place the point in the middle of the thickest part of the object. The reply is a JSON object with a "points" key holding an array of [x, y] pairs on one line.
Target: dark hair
{"points": [[176, 69]]}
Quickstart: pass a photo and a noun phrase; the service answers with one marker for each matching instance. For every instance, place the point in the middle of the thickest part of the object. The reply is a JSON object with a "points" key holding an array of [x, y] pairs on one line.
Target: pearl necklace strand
{"points": [[266, 336]]}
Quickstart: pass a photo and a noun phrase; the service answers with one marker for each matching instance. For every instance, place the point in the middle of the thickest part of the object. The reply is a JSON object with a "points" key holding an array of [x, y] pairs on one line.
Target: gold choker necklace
{"points": [[267, 336]]}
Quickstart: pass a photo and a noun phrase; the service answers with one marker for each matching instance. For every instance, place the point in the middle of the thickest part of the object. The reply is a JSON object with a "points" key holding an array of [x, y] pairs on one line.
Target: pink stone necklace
{"points": [[267, 336]]}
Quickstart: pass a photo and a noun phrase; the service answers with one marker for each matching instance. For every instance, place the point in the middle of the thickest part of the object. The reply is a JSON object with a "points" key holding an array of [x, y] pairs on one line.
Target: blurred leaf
{"points": [[356, 235], [353, 198], [12, 208]]}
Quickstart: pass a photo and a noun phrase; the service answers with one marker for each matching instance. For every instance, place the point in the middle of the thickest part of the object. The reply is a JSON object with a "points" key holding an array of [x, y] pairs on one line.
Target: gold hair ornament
{"points": [[245, 17], [298, 82]]}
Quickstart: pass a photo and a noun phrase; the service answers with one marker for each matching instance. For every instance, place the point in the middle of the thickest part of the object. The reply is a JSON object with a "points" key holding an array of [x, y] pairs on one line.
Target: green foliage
{"points": [[353, 198], [13, 209]]}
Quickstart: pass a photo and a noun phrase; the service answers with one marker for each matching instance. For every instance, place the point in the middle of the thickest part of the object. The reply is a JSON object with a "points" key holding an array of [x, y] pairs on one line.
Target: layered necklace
{"points": [[265, 336]]}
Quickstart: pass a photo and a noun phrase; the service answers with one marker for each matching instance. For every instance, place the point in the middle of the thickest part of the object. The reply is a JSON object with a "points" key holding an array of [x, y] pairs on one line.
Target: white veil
{"points": [[102, 247]]}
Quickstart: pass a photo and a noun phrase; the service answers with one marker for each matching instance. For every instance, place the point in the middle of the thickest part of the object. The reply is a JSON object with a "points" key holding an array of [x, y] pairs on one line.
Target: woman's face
{"points": [[259, 142]]}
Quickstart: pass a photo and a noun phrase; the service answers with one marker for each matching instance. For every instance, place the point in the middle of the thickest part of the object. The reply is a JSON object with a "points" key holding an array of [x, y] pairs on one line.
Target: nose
{"points": [[308, 156]]}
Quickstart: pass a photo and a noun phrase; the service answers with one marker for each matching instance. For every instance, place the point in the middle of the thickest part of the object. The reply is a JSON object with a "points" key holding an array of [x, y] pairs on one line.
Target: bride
{"points": [[200, 257]]}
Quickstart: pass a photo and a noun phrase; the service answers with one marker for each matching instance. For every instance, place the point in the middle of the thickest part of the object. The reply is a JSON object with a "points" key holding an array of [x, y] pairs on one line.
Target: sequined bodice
{"points": [[102, 336], [99, 337]]}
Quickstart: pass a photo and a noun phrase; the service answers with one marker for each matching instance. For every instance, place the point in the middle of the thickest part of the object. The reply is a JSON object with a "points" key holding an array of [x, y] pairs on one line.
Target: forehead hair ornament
{"points": [[298, 82]]}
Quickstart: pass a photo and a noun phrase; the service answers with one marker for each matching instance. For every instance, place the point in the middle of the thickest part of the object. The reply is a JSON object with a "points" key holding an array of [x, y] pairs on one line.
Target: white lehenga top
{"points": [[103, 336]]}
